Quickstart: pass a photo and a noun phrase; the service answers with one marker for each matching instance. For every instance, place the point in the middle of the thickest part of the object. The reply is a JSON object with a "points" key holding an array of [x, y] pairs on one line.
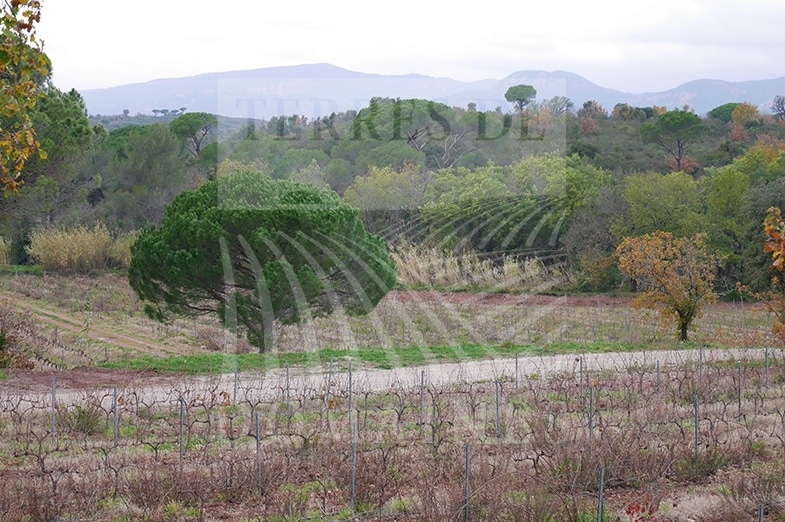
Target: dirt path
{"points": [[100, 329], [72, 386]]}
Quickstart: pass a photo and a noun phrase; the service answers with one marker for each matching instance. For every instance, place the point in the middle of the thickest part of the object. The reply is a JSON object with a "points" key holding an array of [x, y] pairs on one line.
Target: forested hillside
{"points": [[542, 178]]}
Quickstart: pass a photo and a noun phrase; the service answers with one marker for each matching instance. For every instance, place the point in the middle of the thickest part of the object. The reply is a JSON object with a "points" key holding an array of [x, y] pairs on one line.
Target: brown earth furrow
{"points": [[99, 329]]}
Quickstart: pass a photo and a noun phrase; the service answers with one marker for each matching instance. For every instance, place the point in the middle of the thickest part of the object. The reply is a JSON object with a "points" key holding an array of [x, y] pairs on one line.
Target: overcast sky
{"points": [[634, 46]]}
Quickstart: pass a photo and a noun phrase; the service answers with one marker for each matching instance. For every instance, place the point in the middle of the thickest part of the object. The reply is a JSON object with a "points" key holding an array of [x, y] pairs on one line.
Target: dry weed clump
{"points": [[78, 250], [120, 249], [743, 491], [434, 267], [5, 249], [81, 249]]}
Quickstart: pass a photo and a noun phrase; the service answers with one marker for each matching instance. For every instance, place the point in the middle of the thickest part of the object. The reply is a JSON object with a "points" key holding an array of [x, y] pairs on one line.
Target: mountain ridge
{"points": [[321, 88]]}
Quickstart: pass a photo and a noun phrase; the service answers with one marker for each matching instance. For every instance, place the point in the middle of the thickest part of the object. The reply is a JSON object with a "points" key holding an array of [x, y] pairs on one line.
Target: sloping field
{"points": [[76, 323]]}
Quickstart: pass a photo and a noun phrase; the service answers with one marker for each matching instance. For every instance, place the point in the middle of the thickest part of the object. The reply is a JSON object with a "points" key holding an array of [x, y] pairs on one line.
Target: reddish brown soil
{"points": [[77, 379]]}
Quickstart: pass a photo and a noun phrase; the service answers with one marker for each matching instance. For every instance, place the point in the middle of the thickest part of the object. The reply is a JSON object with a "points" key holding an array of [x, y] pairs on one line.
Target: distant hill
{"points": [[704, 95], [320, 89]]}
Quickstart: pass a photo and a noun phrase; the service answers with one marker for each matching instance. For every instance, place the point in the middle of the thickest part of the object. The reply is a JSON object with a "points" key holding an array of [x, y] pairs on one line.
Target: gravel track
{"points": [[310, 383]]}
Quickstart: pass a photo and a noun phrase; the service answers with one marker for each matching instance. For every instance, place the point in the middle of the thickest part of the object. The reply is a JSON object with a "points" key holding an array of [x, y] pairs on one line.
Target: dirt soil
{"points": [[99, 329], [83, 378]]}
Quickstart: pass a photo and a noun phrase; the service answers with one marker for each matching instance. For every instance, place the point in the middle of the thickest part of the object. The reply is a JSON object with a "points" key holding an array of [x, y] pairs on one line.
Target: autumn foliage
{"points": [[674, 275], [23, 67], [774, 227]]}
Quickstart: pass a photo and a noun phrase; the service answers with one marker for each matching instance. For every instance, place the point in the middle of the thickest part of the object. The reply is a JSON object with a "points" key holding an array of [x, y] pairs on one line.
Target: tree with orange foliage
{"points": [[774, 227], [23, 68], [675, 276], [741, 115], [589, 126], [744, 112]]}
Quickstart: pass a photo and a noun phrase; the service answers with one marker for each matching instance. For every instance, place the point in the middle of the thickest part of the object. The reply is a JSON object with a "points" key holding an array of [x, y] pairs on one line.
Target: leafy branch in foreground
{"points": [[774, 298], [23, 68]]}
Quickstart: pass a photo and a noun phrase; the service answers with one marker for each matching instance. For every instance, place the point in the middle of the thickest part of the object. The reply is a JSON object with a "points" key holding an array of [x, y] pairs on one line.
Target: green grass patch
{"points": [[383, 358], [35, 270]]}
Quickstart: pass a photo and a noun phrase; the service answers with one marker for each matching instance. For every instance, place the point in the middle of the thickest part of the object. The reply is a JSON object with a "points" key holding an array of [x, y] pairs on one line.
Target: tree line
{"points": [[493, 180]]}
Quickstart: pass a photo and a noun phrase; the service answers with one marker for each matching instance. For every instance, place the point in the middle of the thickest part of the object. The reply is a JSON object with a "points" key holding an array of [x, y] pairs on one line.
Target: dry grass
{"points": [[85, 320], [104, 293], [15, 331], [435, 268], [120, 249], [80, 250], [5, 250], [437, 319]]}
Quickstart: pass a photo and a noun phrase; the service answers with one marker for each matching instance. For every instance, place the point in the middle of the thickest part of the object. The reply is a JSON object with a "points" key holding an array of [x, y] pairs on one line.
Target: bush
{"points": [[80, 250], [88, 420]]}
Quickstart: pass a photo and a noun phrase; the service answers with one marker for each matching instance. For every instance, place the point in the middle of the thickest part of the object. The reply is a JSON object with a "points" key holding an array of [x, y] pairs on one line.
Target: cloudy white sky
{"points": [[631, 46]]}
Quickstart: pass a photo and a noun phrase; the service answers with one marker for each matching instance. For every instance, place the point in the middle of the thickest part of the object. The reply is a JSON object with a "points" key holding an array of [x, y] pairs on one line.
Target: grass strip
{"points": [[373, 357]]}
